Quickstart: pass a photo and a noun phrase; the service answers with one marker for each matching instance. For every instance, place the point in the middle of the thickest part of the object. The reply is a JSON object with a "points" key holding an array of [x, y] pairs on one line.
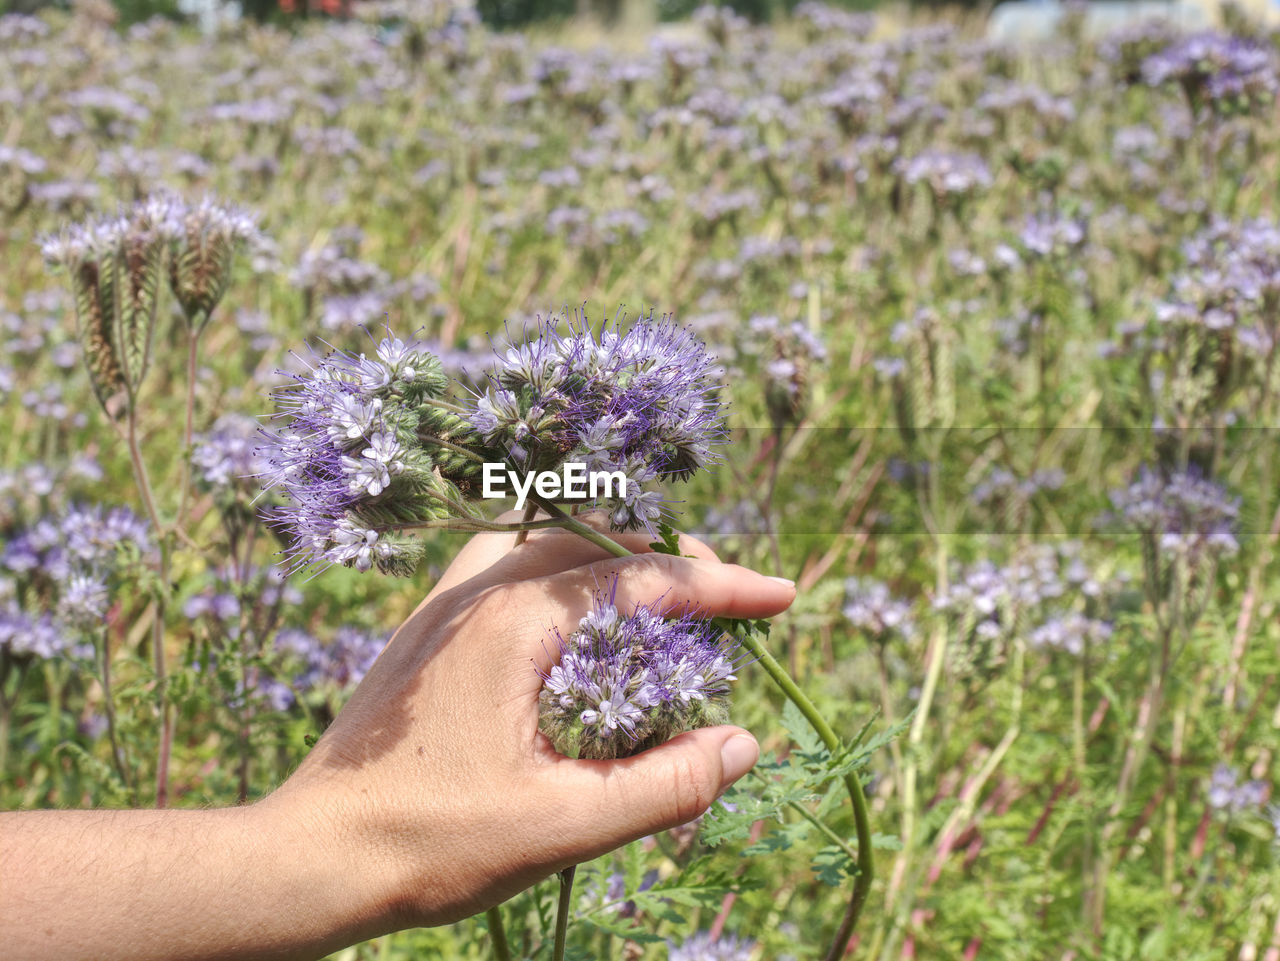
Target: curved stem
{"points": [[779, 675], [861, 816]]}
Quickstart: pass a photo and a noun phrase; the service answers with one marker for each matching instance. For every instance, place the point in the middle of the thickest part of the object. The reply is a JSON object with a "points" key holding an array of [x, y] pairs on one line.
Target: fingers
{"points": [[546, 551], [661, 788], [672, 583]]}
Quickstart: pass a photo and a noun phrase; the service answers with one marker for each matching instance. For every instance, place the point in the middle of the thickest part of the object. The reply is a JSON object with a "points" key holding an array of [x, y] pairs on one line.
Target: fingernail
{"points": [[737, 756], [783, 580]]}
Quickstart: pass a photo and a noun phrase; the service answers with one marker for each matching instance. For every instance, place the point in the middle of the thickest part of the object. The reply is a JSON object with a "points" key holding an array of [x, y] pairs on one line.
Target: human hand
{"points": [[433, 791]]}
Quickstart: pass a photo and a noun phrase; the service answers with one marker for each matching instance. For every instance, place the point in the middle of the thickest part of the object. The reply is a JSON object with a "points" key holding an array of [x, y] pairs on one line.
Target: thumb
{"points": [[663, 787]]}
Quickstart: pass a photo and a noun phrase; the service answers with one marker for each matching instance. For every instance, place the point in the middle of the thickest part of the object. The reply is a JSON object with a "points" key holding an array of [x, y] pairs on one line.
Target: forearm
{"points": [[247, 882]]}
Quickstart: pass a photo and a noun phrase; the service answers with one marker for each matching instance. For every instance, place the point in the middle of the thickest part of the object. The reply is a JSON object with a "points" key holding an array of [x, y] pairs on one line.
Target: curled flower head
{"points": [[644, 402], [351, 460], [626, 682]]}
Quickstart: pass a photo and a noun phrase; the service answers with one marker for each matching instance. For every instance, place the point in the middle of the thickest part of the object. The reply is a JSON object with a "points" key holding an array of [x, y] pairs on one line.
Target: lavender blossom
{"points": [[227, 458], [703, 947], [338, 665], [1229, 75], [625, 683], [1070, 633], [1188, 516], [947, 174], [642, 402], [1227, 793], [870, 607], [354, 462]]}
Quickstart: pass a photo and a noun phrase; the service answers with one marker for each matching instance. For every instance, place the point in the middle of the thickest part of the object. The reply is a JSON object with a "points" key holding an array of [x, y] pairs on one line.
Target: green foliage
{"points": [[1058, 364]]}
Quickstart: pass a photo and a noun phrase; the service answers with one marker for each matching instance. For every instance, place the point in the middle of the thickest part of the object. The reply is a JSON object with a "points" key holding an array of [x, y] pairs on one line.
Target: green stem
{"points": [[862, 820], [585, 531], [865, 865], [473, 524], [449, 445], [818, 823], [562, 912], [530, 511], [157, 635], [108, 707], [189, 426], [499, 934]]}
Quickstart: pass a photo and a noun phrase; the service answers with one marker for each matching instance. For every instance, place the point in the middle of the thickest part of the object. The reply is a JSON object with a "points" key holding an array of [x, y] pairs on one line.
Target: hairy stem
{"points": [[530, 511], [157, 634], [498, 933], [188, 430], [562, 911]]}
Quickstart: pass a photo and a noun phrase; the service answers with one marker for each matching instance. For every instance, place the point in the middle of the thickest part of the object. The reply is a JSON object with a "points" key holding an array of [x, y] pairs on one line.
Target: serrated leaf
{"points": [[831, 866], [668, 541], [801, 731], [623, 928]]}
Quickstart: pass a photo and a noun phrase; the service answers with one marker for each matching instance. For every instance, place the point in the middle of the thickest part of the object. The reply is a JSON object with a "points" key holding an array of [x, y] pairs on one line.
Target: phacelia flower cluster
{"points": [[1231, 281], [118, 266], [370, 446], [644, 402], [788, 355], [1230, 75], [627, 682], [1188, 516], [228, 457], [870, 607], [360, 456], [56, 579], [1228, 793]]}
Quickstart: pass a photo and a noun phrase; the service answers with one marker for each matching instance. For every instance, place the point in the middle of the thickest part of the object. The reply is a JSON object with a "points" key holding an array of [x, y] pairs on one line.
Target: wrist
{"points": [[336, 875]]}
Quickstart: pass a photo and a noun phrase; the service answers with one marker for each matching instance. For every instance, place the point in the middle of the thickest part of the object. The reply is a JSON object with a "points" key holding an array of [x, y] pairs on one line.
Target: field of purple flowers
{"points": [[997, 329]]}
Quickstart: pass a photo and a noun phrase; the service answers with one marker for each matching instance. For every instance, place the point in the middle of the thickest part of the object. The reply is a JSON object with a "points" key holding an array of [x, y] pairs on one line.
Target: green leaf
{"points": [[669, 541], [801, 731], [831, 866], [622, 927]]}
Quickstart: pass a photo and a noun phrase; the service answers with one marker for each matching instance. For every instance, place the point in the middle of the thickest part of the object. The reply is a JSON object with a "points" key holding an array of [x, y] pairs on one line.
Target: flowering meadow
{"points": [[979, 344]]}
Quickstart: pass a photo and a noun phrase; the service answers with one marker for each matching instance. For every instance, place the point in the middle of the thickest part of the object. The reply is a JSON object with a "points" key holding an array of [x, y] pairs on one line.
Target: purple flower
{"points": [[340, 664], [642, 402], [1227, 792], [628, 682], [351, 447], [1228, 74], [1069, 632], [703, 947], [871, 608], [227, 457], [1187, 515], [947, 174]]}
